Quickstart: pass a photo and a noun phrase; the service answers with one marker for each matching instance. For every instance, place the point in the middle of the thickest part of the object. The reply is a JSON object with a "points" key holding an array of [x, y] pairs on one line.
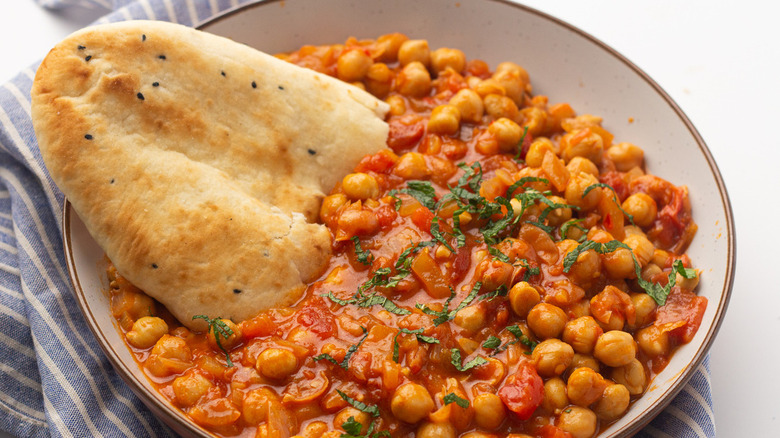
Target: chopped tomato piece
{"points": [[550, 431], [422, 217], [682, 306], [523, 391], [405, 132], [317, 318]]}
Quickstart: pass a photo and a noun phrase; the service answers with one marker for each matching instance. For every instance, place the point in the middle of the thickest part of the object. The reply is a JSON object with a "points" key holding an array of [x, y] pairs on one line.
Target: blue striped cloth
{"points": [[54, 379]]}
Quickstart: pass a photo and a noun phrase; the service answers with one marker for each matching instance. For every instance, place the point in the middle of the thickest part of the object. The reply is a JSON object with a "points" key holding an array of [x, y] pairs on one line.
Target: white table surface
{"points": [[719, 61]]}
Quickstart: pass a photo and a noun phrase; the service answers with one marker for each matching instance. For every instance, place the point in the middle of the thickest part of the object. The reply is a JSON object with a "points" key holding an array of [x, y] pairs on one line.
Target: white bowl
{"points": [[565, 64]]}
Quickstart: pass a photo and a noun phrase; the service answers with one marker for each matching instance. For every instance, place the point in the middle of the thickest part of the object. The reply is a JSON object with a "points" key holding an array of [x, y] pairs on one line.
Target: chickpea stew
{"points": [[503, 268]]}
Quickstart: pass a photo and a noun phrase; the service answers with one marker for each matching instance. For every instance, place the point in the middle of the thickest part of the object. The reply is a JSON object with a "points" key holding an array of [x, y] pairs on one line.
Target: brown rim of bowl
{"points": [[155, 403]]}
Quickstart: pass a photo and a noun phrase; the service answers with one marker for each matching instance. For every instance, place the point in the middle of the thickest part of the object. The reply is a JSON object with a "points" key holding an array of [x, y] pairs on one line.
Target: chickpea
{"points": [[171, 347], [487, 87], [626, 156], [619, 264], [315, 429], [489, 411], [228, 343], [276, 363], [631, 230], [536, 152], [584, 361], [444, 120], [632, 376], [414, 51], [552, 357], [644, 305], [558, 216], [686, 283], [582, 165], [613, 402], [507, 134], [555, 397], [477, 434], [522, 298], [470, 318], [414, 80], [146, 331], [257, 404], [360, 186], [436, 430], [650, 271], [546, 321], [469, 104], [411, 165], [586, 268], [575, 191], [642, 247], [390, 43], [615, 348], [189, 388], [330, 206], [353, 65], [411, 403], [358, 222], [653, 341], [578, 421], [349, 412], [498, 106], [515, 68], [379, 79], [513, 84], [585, 386], [535, 119], [573, 232], [444, 58], [397, 105], [584, 144], [582, 333], [642, 207]]}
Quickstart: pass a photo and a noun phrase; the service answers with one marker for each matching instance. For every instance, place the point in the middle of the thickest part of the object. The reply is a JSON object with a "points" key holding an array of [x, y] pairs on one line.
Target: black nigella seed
{"points": [[80, 47], [162, 57], [154, 265], [143, 37], [236, 291], [140, 96], [112, 180], [155, 84], [88, 136], [281, 88], [223, 73], [254, 84], [312, 152], [88, 58]]}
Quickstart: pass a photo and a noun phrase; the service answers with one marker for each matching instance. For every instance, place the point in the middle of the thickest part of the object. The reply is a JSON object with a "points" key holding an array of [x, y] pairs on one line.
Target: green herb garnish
{"points": [[417, 333], [363, 256], [453, 398], [455, 359], [220, 330], [372, 410]]}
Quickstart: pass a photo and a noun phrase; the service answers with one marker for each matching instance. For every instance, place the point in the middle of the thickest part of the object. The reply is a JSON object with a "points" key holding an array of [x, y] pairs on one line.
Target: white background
{"points": [[720, 61]]}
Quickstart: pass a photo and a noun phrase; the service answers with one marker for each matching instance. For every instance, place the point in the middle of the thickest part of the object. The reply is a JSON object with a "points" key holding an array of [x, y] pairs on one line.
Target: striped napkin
{"points": [[54, 379]]}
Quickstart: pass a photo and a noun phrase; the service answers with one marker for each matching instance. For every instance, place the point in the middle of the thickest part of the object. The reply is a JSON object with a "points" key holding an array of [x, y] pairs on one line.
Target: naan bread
{"points": [[198, 164]]}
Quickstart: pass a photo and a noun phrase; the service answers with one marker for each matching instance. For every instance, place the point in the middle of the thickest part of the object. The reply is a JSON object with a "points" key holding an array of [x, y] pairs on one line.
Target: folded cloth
{"points": [[54, 379]]}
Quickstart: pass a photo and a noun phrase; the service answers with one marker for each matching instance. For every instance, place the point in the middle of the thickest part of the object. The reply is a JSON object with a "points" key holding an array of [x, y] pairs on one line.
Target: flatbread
{"points": [[198, 164]]}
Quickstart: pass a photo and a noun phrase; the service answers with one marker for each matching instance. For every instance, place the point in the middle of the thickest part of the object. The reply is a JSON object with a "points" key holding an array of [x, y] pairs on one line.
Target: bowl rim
{"points": [[161, 407]]}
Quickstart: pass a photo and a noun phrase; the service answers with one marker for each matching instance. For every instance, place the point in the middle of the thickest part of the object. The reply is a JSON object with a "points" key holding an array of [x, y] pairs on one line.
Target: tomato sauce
{"points": [[478, 262]]}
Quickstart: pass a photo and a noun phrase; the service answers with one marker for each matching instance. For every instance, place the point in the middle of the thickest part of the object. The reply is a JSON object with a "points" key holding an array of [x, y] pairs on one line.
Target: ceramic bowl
{"points": [[565, 64]]}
